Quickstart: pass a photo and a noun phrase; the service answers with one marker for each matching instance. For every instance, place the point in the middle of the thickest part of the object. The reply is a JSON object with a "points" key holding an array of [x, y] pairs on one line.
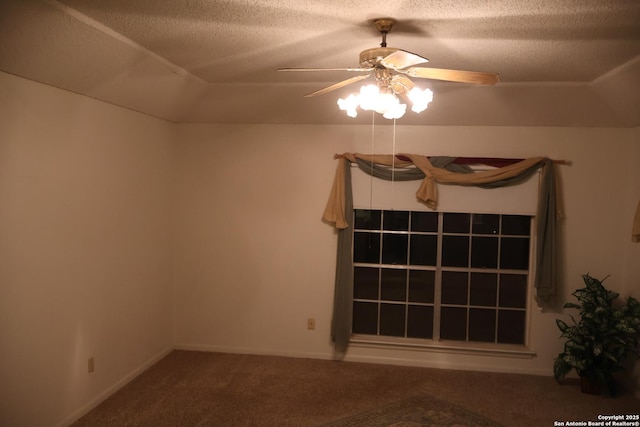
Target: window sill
{"points": [[475, 348]]}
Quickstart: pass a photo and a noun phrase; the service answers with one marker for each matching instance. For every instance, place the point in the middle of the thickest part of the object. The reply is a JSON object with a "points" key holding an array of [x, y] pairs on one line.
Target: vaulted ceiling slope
{"points": [[562, 63]]}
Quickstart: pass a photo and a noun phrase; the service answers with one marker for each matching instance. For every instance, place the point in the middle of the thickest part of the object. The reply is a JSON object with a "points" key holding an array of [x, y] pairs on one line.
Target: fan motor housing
{"points": [[372, 57]]}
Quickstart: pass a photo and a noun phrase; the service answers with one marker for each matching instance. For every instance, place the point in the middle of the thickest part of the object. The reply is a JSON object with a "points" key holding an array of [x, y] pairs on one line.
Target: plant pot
{"points": [[589, 386]]}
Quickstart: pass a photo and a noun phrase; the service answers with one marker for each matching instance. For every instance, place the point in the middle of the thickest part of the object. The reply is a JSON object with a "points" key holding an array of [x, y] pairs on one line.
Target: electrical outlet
{"points": [[90, 365], [311, 324]]}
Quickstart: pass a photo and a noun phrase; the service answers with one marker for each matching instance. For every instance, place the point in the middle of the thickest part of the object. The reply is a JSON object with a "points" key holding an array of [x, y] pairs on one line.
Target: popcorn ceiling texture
{"points": [[172, 58]]}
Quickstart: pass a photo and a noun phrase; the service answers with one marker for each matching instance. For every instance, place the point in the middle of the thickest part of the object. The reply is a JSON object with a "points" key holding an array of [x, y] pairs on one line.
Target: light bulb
{"points": [[386, 101], [420, 99], [349, 105], [395, 111], [368, 97]]}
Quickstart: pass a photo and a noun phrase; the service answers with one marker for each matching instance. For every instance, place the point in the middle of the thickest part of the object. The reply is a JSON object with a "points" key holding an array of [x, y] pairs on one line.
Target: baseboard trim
{"points": [[368, 359], [439, 364], [254, 351], [77, 414]]}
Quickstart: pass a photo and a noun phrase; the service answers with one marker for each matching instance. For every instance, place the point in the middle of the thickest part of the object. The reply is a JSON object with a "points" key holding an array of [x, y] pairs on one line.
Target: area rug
{"points": [[417, 411]]}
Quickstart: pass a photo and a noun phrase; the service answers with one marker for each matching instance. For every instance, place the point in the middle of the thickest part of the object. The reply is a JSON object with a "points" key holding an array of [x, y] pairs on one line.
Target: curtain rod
{"points": [[556, 161]]}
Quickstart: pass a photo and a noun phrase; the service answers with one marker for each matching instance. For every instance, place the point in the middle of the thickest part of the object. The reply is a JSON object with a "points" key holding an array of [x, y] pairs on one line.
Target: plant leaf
{"points": [[572, 305], [562, 325], [560, 368]]}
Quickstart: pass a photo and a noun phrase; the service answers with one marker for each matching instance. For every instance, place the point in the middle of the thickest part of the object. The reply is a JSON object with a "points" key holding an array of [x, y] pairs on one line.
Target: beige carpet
{"points": [[213, 389], [417, 411]]}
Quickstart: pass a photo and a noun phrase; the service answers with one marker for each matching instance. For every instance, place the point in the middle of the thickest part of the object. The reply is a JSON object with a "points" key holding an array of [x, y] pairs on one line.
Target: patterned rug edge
{"points": [[396, 413]]}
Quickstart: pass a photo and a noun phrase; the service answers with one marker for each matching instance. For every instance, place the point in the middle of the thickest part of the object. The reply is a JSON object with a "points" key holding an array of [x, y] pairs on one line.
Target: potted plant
{"points": [[601, 340]]}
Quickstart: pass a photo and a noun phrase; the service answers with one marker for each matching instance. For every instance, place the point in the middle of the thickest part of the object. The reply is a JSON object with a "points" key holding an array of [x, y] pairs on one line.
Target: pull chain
{"points": [[373, 128], [393, 165]]}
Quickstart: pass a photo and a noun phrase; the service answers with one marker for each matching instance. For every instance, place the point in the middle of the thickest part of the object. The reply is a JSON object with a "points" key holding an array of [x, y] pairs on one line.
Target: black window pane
{"points": [[484, 289], [423, 249], [392, 318], [367, 219], [365, 283], [481, 306], [365, 318], [424, 221], [513, 290], [485, 224], [453, 323], [420, 321], [366, 247], [484, 252], [516, 225], [456, 222], [454, 287], [511, 327], [421, 285], [394, 248], [514, 253], [455, 251], [394, 284], [482, 325], [396, 220]]}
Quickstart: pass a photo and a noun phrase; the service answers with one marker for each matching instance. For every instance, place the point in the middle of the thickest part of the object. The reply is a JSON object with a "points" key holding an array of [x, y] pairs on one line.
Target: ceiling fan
{"points": [[390, 66]]}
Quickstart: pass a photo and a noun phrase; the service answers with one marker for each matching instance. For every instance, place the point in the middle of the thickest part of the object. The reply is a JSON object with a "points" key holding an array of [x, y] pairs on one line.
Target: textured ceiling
{"points": [[562, 63]]}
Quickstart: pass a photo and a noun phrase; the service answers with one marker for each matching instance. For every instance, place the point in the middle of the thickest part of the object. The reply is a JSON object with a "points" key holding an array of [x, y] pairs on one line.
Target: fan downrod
{"points": [[372, 57], [384, 25]]}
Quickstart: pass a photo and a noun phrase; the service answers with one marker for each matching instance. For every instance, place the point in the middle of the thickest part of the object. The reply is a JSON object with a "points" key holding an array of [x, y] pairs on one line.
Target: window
{"points": [[441, 276]]}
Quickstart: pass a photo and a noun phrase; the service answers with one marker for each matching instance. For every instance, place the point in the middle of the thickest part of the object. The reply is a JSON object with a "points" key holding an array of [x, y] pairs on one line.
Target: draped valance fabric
{"points": [[427, 192], [431, 171]]}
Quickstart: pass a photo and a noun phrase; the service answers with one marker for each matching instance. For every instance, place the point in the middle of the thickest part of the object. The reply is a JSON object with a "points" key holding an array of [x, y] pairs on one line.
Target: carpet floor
{"points": [[188, 388]]}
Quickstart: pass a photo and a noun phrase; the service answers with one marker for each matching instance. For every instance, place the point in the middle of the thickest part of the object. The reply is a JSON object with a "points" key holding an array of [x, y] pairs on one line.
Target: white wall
{"points": [[84, 250], [254, 260]]}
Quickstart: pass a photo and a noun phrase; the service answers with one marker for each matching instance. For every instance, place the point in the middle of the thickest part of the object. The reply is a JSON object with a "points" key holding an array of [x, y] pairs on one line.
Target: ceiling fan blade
{"points": [[337, 85], [402, 59], [453, 75], [359, 70]]}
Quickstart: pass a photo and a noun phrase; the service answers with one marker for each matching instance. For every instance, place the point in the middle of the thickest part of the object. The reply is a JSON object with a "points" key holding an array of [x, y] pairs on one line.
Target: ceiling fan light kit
{"points": [[385, 101], [390, 67]]}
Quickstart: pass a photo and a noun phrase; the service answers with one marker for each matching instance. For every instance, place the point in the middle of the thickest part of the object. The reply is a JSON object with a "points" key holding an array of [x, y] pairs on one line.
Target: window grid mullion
{"points": [[382, 214], [406, 282], [499, 280], [470, 252], [437, 297], [438, 273]]}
